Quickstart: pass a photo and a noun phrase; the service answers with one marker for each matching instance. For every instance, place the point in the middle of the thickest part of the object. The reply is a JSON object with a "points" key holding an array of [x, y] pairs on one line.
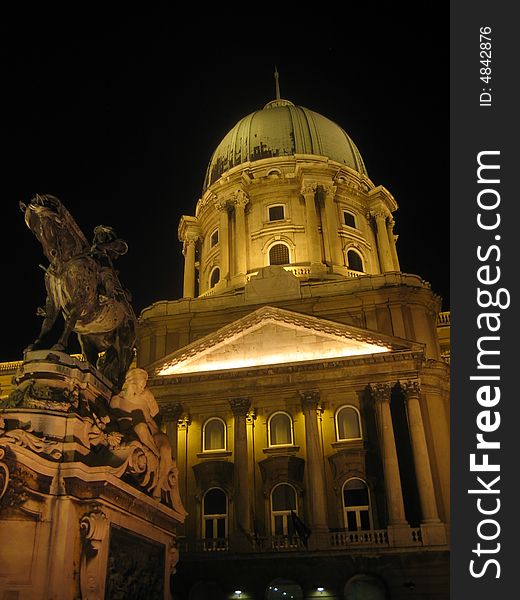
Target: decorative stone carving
{"points": [[411, 388], [171, 412], [381, 392], [27, 439], [309, 399], [221, 204], [240, 198], [281, 469], [308, 188], [4, 473], [94, 528], [240, 406]]}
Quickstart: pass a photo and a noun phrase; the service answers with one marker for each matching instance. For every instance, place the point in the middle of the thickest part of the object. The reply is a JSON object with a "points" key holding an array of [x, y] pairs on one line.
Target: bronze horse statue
{"points": [[82, 283]]}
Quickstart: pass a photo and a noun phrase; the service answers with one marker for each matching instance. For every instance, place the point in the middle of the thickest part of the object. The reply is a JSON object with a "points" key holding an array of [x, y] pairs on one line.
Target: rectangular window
{"points": [[277, 213], [349, 219], [213, 240]]}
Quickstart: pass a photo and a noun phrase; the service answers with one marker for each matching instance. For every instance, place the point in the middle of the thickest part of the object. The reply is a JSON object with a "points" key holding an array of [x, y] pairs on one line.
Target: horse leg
{"points": [[51, 314], [88, 349], [70, 323]]}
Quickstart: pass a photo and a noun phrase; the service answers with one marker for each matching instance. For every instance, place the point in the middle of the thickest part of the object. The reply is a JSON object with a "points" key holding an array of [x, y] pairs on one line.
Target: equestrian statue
{"points": [[82, 282]]}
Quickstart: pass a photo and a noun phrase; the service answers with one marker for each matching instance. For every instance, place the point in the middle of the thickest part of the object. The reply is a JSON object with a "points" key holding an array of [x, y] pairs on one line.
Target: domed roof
{"points": [[282, 129]]}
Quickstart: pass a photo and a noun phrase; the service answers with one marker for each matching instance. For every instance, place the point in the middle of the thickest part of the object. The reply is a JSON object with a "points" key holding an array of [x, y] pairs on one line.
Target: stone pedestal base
{"points": [[434, 534], [399, 535], [76, 514]]}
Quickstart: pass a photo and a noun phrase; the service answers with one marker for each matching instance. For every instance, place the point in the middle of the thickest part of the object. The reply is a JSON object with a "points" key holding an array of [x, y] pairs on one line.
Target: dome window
{"points": [[279, 255], [214, 278], [277, 212], [349, 219], [354, 261], [213, 240]]}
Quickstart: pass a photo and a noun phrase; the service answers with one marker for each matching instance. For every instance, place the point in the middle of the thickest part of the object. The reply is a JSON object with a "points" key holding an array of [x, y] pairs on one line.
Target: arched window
{"points": [[283, 501], [214, 277], [283, 589], [279, 255], [356, 505], [280, 430], [347, 424], [214, 520], [214, 435], [354, 261], [364, 586]]}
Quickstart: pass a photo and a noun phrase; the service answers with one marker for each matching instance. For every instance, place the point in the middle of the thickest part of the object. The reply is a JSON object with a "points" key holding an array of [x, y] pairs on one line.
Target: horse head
{"points": [[54, 227]]}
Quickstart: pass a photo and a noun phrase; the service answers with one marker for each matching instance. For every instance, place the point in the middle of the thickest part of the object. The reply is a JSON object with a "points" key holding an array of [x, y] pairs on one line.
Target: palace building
{"points": [[301, 378]]}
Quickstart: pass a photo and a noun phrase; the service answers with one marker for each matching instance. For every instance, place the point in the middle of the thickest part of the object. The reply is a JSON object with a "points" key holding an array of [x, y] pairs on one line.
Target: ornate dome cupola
{"points": [[286, 186]]}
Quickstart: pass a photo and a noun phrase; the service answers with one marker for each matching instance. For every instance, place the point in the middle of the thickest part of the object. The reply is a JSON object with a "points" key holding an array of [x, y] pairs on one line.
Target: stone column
{"points": [[391, 240], [423, 473], [381, 393], [313, 238], [331, 216], [240, 408], [314, 465], [383, 245], [170, 417], [241, 200], [189, 267], [223, 238]]}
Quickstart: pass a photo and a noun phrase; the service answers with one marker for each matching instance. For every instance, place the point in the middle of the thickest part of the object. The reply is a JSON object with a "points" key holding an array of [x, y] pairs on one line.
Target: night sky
{"points": [[118, 114]]}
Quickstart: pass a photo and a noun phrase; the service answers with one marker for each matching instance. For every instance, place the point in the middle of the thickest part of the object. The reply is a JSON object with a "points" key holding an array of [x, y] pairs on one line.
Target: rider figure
{"points": [[106, 246]]}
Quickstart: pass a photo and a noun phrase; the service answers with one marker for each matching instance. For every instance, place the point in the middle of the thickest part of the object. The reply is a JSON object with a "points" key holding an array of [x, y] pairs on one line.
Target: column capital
{"points": [[329, 190], [379, 214], [240, 406], [309, 399], [184, 421], [187, 242], [171, 412], [411, 388], [390, 222], [239, 198], [308, 188], [381, 392], [221, 204]]}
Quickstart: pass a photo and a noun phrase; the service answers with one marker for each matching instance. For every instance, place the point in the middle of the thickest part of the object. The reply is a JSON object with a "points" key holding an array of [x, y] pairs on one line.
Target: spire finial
{"points": [[277, 82]]}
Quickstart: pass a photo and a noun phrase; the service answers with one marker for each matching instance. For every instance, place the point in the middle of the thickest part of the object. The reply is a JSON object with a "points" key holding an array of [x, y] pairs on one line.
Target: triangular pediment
{"points": [[273, 336]]}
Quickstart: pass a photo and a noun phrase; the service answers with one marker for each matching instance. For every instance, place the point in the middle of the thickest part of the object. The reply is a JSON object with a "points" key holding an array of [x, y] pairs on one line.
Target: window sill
{"points": [[354, 444], [214, 454], [281, 450]]}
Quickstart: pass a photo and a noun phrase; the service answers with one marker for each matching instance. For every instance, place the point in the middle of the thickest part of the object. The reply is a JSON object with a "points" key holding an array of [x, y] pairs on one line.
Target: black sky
{"points": [[118, 115]]}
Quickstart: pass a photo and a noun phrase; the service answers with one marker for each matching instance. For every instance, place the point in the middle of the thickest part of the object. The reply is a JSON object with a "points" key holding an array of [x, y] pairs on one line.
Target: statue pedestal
{"points": [[77, 520]]}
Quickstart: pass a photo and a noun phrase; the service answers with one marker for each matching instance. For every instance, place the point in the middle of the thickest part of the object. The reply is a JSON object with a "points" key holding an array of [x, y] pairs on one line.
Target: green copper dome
{"points": [[282, 129]]}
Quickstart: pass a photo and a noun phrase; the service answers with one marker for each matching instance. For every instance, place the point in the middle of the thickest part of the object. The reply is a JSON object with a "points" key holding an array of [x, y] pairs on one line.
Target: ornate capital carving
{"points": [[309, 399], [308, 188], [411, 388], [329, 190], [390, 223], [189, 241], [221, 204], [183, 422], [172, 412], [379, 214], [381, 392], [251, 416], [240, 406], [240, 198]]}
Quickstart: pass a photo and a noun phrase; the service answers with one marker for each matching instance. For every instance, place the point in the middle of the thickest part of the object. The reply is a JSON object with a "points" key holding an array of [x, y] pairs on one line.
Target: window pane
{"points": [[284, 498], [279, 255], [215, 503], [208, 533], [214, 435], [348, 424], [214, 238], [215, 277], [280, 430], [351, 521], [349, 219], [354, 261], [365, 521], [276, 213], [278, 525], [355, 493], [221, 528]]}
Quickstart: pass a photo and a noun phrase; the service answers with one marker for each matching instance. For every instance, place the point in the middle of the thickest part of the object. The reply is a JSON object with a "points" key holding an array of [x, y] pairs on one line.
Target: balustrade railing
{"points": [[375, 537]]}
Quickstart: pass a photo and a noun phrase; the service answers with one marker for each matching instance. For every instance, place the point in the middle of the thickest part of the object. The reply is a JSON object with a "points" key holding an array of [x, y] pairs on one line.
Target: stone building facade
{"points": [[301, 379]]}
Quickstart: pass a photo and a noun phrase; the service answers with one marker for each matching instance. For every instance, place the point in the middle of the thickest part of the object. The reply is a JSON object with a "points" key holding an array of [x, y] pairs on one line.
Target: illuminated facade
{"points": [[301, 378]]}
